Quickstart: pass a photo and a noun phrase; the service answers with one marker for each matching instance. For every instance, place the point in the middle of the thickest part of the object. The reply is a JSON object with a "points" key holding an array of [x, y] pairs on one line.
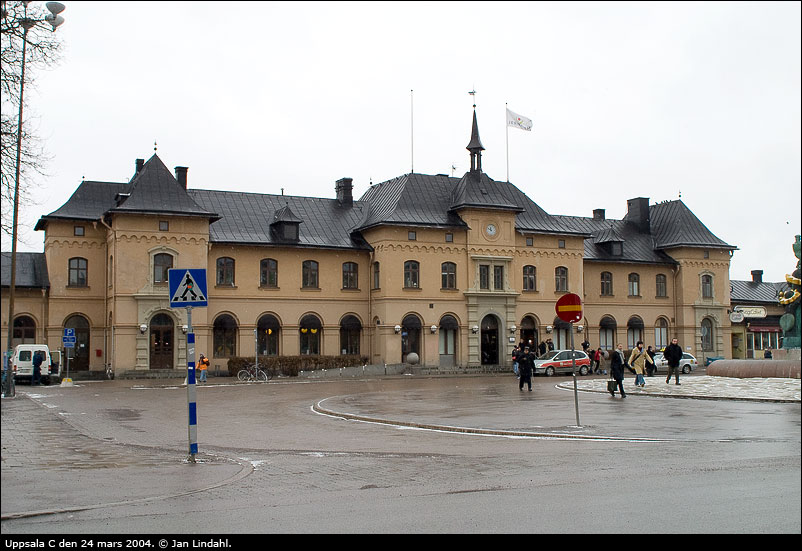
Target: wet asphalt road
{"points": [[273, 458]]}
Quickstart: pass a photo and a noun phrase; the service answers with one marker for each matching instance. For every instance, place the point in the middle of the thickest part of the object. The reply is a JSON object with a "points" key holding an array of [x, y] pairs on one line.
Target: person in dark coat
{"points": [[526, 363], [651, 368], [37, 368], [542, 348], [673, 355], [617, 364]]}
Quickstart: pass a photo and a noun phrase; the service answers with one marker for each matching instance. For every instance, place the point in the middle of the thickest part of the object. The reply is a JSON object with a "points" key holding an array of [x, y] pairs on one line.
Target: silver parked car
{"points": [[687, 364]]}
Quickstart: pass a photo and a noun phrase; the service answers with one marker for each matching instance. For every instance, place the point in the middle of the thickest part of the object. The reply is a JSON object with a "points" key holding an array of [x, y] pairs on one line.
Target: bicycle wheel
{"points": [[269, 373], [244, 375], [261, 376]]}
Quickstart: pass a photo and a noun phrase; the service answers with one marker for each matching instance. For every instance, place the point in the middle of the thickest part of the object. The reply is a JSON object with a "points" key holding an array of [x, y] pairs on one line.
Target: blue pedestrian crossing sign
{"points": [[187, 287]]}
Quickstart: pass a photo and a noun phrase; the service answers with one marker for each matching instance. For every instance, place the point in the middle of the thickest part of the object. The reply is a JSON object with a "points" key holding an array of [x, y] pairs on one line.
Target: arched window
{"points": [[634, 285], [77, 272], [225, 271], [660, 333], [311, 330], [449, 275], [376, 274], [530, 279], [707, 286], [410, 336], [268, 272], [606, 284], [24, 331], [225, 336], [350, 275], [267, 331], [411, 274], [634, 331], [707, 335], [162, 262], [561, 278], [607, 328], [350, 329], [309, 274]]}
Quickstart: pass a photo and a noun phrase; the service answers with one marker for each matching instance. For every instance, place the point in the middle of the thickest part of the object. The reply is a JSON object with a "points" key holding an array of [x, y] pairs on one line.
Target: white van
{"points": [[22, 362]]}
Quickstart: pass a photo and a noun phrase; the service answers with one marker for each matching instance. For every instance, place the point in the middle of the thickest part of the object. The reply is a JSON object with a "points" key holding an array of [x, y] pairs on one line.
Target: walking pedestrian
{"points": [[542, 348], [617, 363], [650, 367], [673, 355], [597, 356], [515, 352], [638, 360], [203, 365], [526, 363]]}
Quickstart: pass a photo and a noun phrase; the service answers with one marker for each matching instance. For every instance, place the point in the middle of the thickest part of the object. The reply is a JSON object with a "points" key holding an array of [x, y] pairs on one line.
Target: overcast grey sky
{"points": [[627, 100]]}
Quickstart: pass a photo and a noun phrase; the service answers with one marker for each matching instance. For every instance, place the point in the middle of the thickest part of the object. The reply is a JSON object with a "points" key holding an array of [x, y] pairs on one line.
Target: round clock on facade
{"points": [[491, 229]]}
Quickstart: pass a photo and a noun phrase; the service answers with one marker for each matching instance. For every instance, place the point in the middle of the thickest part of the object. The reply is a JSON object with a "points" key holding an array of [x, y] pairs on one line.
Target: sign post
{"points": [[68, 342], [188, 290], [569, 309]]}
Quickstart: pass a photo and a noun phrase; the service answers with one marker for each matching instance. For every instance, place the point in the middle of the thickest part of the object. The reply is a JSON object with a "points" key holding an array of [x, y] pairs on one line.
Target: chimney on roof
{"points": [[598, 214], [138, 164], [638, 213], [757, 276], [345, 191], [181, 175]]}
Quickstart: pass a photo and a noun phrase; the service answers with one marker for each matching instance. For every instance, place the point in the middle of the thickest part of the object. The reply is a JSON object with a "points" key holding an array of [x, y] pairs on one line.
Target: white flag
{"points": [[517, 121]]}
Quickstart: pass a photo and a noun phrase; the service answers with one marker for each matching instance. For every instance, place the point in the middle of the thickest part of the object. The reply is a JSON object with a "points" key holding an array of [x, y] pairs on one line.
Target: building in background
{"points": [[454, 270]]}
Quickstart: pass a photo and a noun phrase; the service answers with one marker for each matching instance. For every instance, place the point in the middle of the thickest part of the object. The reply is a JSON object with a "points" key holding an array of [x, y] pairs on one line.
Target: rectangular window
{"points": [[78, 231], [77, 272], [484, 276], [530, 242], [268, 273], [561, 243], [310, 274], [412, 236], [660, 283], [350, 275], [225, 271], [634, 285], [411, 275], [498, 278], [449, 237], [449, 275], [561, 279], [606, 284], [529, 278], [164, 225], [162, 263], [376, 274], [707, 286]]}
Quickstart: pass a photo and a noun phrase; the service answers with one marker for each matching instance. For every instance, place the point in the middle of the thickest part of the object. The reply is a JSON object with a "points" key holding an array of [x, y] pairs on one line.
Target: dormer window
{"points": [[285, 225], [616, 248]]}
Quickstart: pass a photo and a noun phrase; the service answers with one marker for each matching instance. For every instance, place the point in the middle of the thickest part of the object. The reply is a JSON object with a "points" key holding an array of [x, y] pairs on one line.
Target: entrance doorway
{"points": [[79, 357], [448, 341], [161, 342], [489, 352]]}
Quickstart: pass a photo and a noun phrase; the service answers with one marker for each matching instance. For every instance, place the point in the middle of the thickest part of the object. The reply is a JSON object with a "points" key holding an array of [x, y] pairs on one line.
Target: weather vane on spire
{"points": [[154, 145], [473, 93]]}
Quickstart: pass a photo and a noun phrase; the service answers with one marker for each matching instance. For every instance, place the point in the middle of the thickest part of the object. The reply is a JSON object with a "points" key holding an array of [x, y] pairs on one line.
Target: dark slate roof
{"points": [[674, 225], [245, 218], [89, 202], [749, 291], [426, 200], [476, 189], [637, 246], [154, 190], [31, 270]]}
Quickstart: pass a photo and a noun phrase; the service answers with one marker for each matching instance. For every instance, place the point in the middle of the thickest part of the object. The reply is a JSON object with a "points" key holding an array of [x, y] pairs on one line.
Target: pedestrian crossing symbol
{"points": [[187, 287]]}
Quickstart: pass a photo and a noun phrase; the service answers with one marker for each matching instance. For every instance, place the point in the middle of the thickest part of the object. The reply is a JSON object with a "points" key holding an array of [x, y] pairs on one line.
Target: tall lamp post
{"points": [[27, 23]]}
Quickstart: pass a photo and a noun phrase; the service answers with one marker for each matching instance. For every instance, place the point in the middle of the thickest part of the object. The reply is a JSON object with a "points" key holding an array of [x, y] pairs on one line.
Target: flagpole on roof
{"points": [[411, 133], [507, 140]]}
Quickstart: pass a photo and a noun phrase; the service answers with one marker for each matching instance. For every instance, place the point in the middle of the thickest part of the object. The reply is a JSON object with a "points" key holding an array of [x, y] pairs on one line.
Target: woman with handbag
{"points": [[638, 360], [617, 363]]}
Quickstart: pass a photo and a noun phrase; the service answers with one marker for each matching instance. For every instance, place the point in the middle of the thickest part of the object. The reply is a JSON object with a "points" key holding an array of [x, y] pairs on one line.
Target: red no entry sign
{"points": [[569, 308]]}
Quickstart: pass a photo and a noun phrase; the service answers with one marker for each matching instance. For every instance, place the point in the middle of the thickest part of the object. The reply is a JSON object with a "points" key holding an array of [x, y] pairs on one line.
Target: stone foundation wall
{"points": [[755, 368]]}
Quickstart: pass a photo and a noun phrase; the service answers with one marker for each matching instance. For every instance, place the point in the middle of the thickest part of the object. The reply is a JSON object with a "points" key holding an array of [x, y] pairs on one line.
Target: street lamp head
{"points": [[55, 7]]}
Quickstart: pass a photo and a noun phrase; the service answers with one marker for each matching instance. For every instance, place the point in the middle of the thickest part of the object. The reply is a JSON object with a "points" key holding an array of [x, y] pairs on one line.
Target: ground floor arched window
{"points": [[410, 336], [224, 335], [350, 330], [24, 331], [707, 328], [634, 331], [311, 331], [267, 335]]}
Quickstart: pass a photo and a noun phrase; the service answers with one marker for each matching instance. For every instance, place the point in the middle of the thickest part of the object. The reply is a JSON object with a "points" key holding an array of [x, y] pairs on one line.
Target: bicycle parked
{"points": [[254, 372]]}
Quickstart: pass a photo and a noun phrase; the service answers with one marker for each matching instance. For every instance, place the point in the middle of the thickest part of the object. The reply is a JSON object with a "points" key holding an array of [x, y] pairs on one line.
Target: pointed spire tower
{"points": [[475, 146]]}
